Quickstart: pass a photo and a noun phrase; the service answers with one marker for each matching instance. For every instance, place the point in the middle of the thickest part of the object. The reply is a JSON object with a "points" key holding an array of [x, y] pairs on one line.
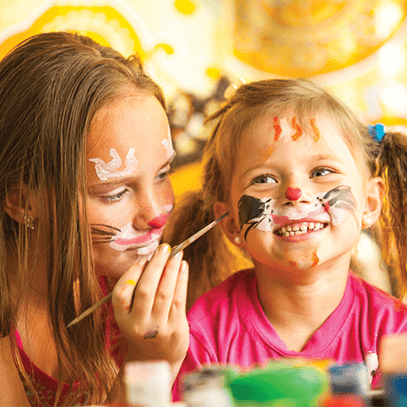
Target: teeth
{"points": [[299, 229]]}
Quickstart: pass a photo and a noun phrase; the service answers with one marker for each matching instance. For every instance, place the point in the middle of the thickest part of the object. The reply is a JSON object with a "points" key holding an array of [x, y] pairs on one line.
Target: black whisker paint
{"points": [[251, 208]]}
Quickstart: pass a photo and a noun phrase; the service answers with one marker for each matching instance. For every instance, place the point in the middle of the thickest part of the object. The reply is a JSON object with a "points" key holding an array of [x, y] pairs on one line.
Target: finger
{"points": [[124, 288], [179, 303], [145, 292], [166, 288]]}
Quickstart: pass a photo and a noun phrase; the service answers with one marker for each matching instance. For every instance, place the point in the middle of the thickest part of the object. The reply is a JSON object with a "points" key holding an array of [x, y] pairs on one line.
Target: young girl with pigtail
{"points": [[301, 177]]}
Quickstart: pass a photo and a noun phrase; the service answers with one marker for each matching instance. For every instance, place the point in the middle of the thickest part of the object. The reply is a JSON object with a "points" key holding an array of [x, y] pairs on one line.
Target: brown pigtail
{"points": [[392, 167]]}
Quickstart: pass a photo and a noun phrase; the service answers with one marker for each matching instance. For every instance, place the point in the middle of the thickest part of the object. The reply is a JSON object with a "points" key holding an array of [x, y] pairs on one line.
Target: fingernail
{"points": [[165, 248], [178, 255]]}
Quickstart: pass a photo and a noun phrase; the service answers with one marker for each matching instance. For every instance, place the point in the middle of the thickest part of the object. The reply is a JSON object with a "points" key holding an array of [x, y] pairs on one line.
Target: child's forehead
{"points": [[318, 129]]}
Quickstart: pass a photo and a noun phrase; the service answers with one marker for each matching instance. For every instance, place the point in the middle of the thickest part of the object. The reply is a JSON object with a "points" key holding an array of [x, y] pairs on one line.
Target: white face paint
{"points": [[267, 214], [167, 143], [286, 130], [143, 242], [110, 170]]}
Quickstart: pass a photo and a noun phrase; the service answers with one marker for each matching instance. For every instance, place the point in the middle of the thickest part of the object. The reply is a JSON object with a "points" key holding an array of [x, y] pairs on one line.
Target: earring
{"points": [[367, 222], [29, 221], [237, 240]]}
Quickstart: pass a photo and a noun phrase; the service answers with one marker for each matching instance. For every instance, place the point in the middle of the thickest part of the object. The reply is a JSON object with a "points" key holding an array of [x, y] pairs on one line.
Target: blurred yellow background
{"points": [[355, 48]]}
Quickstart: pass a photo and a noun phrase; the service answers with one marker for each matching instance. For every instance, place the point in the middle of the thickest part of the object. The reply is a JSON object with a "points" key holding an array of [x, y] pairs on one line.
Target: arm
{"points": [[12, 392], [149, 304]]}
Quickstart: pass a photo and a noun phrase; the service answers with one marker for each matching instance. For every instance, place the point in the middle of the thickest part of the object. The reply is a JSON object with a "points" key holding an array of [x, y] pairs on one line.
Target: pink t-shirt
{"points": [[228, 326]]}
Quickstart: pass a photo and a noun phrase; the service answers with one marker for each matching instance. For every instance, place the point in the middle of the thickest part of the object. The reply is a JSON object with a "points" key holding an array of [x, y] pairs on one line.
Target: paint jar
{"points": [[396, 389], [281, 384], [349, 379], [148, 384], [207, 387]]}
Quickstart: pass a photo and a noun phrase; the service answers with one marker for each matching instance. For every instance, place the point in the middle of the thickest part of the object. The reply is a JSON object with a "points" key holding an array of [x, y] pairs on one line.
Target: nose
{"points": [[159, 221], [149, 212], [293, 194]]}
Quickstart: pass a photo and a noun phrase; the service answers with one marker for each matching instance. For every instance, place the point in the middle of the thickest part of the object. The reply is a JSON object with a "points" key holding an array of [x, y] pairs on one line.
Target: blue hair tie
{"points": [[376, 131]]}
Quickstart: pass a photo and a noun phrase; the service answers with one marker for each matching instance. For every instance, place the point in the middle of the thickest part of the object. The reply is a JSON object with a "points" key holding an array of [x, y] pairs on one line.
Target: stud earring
{"points": [[237, 240], [367, 222], [29, 221]]}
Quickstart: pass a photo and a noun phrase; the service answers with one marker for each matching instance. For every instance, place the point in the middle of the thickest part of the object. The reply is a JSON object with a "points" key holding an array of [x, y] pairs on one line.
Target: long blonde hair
{"points": [[51, 86], [210, 257]]}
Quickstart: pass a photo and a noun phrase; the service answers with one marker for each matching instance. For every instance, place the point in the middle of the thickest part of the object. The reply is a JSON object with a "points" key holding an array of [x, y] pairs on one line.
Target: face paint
{"points": [[317, 134], [267, 215], [110, 170], [167, 143], [102, 233], [287, 131], [297, 128], [159, 221], [293, 194], [129, 238], [277, 129], [294, 131]]}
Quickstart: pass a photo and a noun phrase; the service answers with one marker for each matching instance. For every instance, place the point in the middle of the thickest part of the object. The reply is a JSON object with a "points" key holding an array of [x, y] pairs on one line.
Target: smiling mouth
{"points": [[296, 229]]}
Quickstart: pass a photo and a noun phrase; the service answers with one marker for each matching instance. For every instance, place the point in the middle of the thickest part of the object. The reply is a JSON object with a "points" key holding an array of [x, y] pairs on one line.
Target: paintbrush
{"points": [[174, 251]]}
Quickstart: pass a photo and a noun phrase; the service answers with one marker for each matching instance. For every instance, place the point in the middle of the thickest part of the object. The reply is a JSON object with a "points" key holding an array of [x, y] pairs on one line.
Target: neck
{"points": [[297, 307]]}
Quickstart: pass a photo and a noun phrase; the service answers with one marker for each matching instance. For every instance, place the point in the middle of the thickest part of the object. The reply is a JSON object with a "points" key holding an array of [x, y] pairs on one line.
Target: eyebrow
{"points": [[106, 185]]}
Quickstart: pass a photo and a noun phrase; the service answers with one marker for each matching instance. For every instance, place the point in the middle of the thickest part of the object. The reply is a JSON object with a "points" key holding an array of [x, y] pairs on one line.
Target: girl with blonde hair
{"points": [[301, 177]]}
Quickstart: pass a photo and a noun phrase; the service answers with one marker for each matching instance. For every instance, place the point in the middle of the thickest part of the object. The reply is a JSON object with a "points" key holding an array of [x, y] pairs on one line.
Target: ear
{"points": [[16, 201], [374, 201], [229, 225]]}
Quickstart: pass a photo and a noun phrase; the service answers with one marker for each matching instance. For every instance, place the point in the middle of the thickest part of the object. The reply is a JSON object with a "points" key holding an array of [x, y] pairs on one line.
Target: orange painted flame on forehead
{"points": [[299, 131], [297, 128]]}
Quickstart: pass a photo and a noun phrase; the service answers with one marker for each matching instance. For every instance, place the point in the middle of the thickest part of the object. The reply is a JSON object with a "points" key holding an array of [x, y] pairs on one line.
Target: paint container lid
{"points": [[208, 377], [349, 378]]}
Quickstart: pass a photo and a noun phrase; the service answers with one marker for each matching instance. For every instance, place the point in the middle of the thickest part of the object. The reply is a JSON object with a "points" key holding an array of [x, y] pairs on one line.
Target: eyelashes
{"points": [[103, 233]]}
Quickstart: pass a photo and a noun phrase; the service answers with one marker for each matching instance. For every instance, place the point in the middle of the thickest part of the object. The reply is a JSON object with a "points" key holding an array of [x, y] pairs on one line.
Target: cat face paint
{"points": [[269, 216], [130, 238], [111, 169]]}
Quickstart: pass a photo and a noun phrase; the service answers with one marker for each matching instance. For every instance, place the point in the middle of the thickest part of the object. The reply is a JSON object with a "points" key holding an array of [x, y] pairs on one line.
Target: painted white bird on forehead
{"points": [[266, 214]]}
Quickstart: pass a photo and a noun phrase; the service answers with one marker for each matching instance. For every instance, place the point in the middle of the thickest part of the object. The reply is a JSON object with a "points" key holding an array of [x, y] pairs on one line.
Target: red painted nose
{"points": [[293, 194], [159, 221]]}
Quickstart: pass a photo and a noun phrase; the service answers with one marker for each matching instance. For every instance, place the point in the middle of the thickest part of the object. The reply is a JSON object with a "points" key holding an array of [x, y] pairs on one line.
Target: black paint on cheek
{"points": [[103, 233], [342, 197], [250, 208]]}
